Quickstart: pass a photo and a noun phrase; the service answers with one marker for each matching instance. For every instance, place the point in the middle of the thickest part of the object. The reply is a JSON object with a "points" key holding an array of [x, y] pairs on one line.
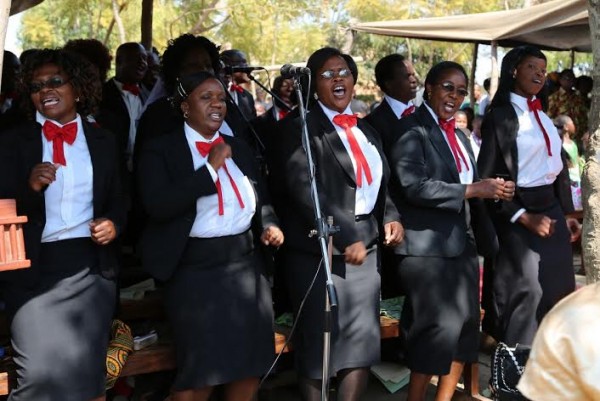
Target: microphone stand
{"points": [[324, 231], [288, 108]]}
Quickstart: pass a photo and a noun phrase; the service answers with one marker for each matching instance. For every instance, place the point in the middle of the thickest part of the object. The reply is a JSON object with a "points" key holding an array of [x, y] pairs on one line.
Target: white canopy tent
{"points": [[554, 25]]}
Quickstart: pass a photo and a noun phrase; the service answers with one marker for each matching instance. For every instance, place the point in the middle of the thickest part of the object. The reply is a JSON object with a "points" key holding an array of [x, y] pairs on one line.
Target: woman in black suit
{"points": [[534, 268], [351, 174], [207, 220], [66, 182], [445, 227]]}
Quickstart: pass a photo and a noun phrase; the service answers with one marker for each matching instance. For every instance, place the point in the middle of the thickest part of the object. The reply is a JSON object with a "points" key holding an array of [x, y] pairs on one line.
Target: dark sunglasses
{"points": [[52, 83], [329, 74], [448, 87]]}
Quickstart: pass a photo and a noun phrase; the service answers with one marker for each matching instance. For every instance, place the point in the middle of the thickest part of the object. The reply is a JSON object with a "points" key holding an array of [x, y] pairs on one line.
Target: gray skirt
{"points": [[220, 309], [355, 336], [60, 328]]}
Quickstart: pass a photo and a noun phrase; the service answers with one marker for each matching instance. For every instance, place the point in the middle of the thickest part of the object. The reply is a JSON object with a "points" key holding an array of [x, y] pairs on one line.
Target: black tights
{"points": [[351, 385]]}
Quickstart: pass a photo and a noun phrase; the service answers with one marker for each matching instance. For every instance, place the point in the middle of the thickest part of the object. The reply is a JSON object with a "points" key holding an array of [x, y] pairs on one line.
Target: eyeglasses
{"points": [[52, 83], [329, 74], [448, 87]]}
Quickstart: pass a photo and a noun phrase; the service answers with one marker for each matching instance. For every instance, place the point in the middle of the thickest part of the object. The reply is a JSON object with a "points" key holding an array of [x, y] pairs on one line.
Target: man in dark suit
{"points": [[396, 77], [122, 99], [234, 81]]}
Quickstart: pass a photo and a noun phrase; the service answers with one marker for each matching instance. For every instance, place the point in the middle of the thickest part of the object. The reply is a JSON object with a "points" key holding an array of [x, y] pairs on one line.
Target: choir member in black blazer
{"points": [[208, 217], [234, 81], [67, 184], [351, 174], [445, 227], [396, 77], [534, 268]]}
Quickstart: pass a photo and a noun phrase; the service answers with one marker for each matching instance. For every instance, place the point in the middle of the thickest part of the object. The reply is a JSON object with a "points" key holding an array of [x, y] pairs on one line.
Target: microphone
{"points": [[230, 69], [289, 71]]}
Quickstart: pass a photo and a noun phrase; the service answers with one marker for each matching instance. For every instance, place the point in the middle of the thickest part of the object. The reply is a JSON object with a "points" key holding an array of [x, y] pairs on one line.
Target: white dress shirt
{"points": [[365, 196], [235, 220], [536, 167], [134, 107], [69, 199], [466, 175], [397, 106]]}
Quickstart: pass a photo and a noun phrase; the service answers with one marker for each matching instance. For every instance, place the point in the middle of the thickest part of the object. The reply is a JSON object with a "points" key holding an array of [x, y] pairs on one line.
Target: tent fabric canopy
{"points": [[555, 25], [17, 6]]}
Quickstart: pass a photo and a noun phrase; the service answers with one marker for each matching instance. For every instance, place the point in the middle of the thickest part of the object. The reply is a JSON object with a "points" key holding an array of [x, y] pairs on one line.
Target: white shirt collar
{"points": [[520, 101], [332, 113], [194, 135], [397, 106], [41, 120], [435, 117]]}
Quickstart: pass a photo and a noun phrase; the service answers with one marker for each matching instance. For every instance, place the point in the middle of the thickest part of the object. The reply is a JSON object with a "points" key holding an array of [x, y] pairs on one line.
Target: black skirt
{"points": [[219, 305], [440, 318]]}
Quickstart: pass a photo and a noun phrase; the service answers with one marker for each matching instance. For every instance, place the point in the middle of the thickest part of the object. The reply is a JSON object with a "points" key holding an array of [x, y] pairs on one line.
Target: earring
{"points": [[185, 115], [316, 96], [77, 99], [514, 74], [429, 95]]}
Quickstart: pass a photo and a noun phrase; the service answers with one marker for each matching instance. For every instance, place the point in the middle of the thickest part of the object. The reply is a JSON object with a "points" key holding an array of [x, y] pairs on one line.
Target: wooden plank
{"points": [[3, 383]]}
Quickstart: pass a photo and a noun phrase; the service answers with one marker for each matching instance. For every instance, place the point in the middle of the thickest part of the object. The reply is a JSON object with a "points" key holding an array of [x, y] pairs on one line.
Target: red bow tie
{"points": [[204, 149], [408, 111], [535, 106], [59, 135], [449, 127], [282, 113], [347, 121], [236, 88], [132, 88]]}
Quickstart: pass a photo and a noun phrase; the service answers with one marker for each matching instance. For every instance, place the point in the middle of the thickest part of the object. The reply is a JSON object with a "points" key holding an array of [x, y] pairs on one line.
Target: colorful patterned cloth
{"points": [[573, 106], [119, 348]]}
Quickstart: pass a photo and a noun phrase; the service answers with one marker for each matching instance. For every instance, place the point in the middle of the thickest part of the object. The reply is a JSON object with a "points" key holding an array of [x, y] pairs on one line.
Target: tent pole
{"points": [[472, 78], [147, 13], [494, 80], [572, 58], [4, 14]]}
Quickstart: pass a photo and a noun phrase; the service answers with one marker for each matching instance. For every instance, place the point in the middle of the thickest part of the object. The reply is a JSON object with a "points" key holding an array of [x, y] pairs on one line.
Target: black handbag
{"points": [[508, 365]]}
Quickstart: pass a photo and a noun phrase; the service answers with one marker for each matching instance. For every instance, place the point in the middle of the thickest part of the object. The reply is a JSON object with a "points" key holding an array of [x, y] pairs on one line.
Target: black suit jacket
{"points": [[386, 123], [246, 104], [435, 214], [169, 188], [336, 182], [498, 156], [107, 196]]}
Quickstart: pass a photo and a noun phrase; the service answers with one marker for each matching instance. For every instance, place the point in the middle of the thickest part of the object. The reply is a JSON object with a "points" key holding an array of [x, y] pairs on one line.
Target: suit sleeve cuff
{"points": [[517, 215]]}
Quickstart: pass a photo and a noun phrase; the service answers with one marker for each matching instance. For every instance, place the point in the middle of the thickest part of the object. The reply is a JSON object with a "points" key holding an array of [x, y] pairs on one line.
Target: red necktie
{"points": [[282, 113], [59, 135], [449, 128], [535, 106], [347, 121], [132, 88], [204, 149], [236, 88], [408, 111]]}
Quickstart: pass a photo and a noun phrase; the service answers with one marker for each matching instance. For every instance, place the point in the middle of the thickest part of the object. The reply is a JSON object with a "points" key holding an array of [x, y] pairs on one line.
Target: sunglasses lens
{"points": [[35, 87], [344, 73], [327, 74], [55, 82]]}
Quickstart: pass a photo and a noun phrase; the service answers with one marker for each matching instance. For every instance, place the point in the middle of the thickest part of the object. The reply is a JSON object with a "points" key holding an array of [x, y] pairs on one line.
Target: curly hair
{"points": [[175, 54], [94, 51], [82, 74]]}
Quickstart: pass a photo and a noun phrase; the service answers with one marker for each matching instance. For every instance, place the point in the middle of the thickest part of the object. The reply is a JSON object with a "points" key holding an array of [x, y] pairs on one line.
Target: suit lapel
{"points": [[436, 137], [331, 137], [32, 151], [179, 153], [506, 132]]}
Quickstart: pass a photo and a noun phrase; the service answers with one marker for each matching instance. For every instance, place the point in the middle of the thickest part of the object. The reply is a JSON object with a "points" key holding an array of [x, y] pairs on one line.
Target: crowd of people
{"points": [[170, 157]]}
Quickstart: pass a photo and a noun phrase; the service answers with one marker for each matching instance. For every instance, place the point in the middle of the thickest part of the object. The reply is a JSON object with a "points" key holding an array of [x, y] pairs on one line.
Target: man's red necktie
{"points": [[204, 149], [132, 88], [236, 88], [347, 121], [535, 106], [59, 135], [448, 127], [408, 111]]}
